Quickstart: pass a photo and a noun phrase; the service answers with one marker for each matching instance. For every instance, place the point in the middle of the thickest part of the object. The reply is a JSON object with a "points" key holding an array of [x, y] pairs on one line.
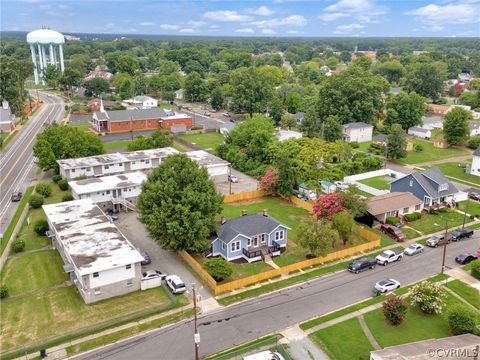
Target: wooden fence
{"points": [[245, 196], [201, 272], [302, 204]]}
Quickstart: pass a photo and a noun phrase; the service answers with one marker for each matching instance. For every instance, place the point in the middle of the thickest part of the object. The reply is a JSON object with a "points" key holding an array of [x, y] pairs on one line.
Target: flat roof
{"points": [[204, 158], [176, 116], [92, 241], [103, 183], [115, 158]]}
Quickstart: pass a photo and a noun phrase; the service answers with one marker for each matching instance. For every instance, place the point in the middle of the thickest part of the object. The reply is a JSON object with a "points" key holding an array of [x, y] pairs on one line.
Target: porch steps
{"points": [[269, 261]]}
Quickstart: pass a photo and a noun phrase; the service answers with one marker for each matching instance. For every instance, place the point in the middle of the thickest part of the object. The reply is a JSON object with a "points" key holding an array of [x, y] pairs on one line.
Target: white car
{"points": [[153, 274], [226, 114], [264, 355], [175, 284], [233, 178], [414, 249], [387, 285], [341, 185]]}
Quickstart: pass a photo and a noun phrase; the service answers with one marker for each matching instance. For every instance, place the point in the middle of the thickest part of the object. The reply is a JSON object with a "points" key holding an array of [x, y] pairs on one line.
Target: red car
{"points": [[393, 231]]}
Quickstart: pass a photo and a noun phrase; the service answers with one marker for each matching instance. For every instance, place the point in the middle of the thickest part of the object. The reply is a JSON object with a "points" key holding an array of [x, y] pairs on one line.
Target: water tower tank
{"points": [[45, 36]]}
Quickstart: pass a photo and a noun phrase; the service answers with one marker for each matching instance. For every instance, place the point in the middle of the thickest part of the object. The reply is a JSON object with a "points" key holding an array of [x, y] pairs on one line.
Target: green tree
{"points": [[405, 109], [461, 319], [470, 99], [13, 73], [392, 70], [343, 222], [293, 102], [179, 205], [351, 199], [125, 85], [317, 236], [346, 56], [52, 76], [332, 129], [126, 63], [219, 268], [397, 143], [96, 86], [276, 109], [455, 126], [425, 79], [158, 139], [44, 188], [70, 78], [288, 121], [216, 98], [195, 87], [332, 62]]}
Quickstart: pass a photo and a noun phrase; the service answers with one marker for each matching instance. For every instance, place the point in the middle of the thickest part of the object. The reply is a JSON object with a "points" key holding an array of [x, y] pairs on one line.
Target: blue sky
{"points": [[249, 18]]}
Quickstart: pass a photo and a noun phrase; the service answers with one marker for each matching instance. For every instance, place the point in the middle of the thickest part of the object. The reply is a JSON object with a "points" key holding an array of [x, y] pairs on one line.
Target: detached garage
{"points": [[215, 165]]}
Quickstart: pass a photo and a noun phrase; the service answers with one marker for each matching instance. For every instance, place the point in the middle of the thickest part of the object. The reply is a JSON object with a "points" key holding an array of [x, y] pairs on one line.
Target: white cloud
{"points": [[226, 16], [459, 13], [294, 32], [214, 27], [292, 20], [342, 29], [186, 31], [333, 16], [146, 23], [268, 31], [169, 27], [245, 31], [196, 24], [367, 11], [261, 11]]}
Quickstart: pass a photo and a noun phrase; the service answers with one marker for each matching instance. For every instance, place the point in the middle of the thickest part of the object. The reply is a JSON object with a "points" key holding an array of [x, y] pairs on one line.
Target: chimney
{"points": [[223, 220], [244, 212], [265, 212]]}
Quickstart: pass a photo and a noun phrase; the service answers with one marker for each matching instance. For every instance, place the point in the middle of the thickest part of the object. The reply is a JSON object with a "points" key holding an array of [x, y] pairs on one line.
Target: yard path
{"points": [[368, 333]]}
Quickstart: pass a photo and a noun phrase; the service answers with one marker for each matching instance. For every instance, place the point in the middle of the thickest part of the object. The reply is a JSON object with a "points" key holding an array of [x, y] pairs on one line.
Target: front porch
{"points": [[253, 254]]}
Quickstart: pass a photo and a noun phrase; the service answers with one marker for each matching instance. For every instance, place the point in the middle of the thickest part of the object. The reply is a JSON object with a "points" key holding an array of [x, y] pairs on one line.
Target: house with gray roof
{"points": [[475, 168], [432, 122], [430, 186], [249, 237], [420, 132], [357, 132], [7, 119]]}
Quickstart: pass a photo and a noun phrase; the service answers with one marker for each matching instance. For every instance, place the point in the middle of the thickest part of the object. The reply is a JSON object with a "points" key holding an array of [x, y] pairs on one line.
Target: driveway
{"points": [[245, 183], [163, 260]]}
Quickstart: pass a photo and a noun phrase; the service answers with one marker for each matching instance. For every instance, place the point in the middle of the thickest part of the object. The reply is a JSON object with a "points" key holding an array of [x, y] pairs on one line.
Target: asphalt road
{"points": [[16, 160], [276, 311]]}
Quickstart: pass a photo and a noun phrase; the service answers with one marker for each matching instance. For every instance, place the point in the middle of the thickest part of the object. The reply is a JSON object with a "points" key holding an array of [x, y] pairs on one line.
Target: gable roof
{"points": [[137, 114], [357, 125], [247, 225], [435, 175], [392, 201]]}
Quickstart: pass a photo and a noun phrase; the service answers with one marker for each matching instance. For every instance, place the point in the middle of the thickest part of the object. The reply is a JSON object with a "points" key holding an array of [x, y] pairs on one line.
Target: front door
{"points": [[255, 241]]}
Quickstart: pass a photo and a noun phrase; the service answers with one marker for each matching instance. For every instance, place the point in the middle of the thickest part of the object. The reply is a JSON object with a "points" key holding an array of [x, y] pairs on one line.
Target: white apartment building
{"points": [[357, 132], [99, 259]]}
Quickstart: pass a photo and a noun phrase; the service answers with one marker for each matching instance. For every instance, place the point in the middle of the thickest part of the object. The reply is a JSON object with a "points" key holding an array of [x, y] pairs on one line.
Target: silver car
{"points": [[387, 285], [414, 249]]}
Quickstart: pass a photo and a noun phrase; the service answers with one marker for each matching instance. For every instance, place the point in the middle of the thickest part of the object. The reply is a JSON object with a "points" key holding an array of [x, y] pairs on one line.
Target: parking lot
{"points": [[165, 261], [245, 183]]}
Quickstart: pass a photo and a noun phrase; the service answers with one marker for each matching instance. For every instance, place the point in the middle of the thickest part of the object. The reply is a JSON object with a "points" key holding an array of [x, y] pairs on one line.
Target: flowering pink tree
{"points": [[328, 205], [269, 180]]}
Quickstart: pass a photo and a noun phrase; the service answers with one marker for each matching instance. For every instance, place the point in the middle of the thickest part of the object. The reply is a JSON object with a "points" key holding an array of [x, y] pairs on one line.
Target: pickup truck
{"points": [[460, 234], [389, 256], [437, 240]]}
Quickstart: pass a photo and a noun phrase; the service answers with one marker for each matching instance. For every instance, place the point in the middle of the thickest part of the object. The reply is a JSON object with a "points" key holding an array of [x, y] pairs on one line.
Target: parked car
{"points": [[175, 284], [437, 240], [388, 256], [474, 196], [146, 258], [188, 107], [207, 113], [232, 119], [226, 114], [460, 234], [232, 178], [302, 196], [393, 231], [414, 249], [16, 196], [264, 355], [362, 264], [153, 274], [386, 285], [463, 259], [341, 185]]}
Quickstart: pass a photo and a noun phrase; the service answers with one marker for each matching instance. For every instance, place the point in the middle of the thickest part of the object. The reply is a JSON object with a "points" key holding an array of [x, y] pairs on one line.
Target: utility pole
{"points": [[230, 180], [196, 336], [465, 212], [444, 247], [386, 152]]}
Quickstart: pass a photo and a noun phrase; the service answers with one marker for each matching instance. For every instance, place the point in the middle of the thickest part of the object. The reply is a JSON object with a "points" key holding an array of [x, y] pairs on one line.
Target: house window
{"points": [[73, 170], [279, 235], [108, 192], [391, 213], [95, 274], [147, 161], [97, 291], [223, 246], [133, 162], [235, 246], [443, 187], [405, 210], [89, 169], [121, 164], [129, 266], [417, 207], [263, 237], [106, 167], [411, 183], [249, 242], [129, 282]]}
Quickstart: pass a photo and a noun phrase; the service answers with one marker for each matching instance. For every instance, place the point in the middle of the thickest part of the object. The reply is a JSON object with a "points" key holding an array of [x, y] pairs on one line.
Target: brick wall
{"points": [[166, 123], [135, 125]]}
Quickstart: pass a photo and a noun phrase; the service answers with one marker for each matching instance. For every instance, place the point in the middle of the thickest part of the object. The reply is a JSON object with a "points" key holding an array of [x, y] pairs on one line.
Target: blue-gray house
{"points": [[430, 185], [249, 237]]}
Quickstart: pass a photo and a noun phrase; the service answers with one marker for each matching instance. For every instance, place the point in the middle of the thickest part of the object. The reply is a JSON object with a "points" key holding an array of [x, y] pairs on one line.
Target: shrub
{"points": [[354, 145], [392, 220], [63, 185], [395, 309], [433, 211], [474, 142], [67, 197], [44, 189], [418, 147], [36, 201], [197, 127], [461, 319], [429, 297], [3, 291], [413, 216], [56, 178], [41, 227], [475, 269], [219, 268], [18, 246]]}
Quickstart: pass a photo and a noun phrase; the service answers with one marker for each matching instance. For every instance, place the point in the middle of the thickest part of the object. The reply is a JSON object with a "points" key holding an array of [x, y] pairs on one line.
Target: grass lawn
{"points": [[82, 125], [180, 147], [473, 207], [235, 352], [60, 312], [344, 341], [410, 233], [33, 271], [431, 153], [378, 182], [207, 140], [167, 106], [437, 133], [27, 233], [458, 172], [364, 146], [116, 145], [432, 223], [468, 293], [364, 193]]}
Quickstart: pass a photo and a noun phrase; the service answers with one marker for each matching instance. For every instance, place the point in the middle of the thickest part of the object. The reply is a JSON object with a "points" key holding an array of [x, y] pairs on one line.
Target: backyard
{"points": [[457, 171], [83, 125], [381, 182], [473, 207], [430, 223], [115, 145], [208, 140], [431, 153]]}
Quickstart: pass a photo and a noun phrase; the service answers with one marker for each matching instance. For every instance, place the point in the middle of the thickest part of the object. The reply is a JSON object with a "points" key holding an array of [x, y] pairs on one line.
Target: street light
{"points": [[196, 335]]}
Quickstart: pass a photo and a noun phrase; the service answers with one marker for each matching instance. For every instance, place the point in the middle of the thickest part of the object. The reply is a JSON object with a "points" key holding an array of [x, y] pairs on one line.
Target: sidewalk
{"points": [[462, 275], [300, 346]]}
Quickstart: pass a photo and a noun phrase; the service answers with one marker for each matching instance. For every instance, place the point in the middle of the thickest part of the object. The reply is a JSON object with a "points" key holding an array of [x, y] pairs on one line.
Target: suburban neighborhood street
{"points": [[16, 162], [274, 312]]}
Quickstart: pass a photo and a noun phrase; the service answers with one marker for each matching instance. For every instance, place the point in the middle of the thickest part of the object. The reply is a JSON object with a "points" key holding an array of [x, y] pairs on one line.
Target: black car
{"points": [[474, 196], [146, 258], [16, 196], [463, 259], [460, 234], [361, 264]]}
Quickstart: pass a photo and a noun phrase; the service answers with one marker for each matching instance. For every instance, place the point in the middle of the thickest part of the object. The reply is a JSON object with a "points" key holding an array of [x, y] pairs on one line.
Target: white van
{"points": [[264, 355], [175, 284]]}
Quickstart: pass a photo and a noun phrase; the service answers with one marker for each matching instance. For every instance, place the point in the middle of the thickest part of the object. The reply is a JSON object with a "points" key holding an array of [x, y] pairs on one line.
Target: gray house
{"points": [[249, 237], [430, 185]]}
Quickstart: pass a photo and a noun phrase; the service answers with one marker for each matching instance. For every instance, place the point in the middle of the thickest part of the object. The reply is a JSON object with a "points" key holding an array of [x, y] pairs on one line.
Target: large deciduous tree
{"points": [[455, 126], [396, 143], [179, 205], [317, 236], [343, 222], [13, 73], [391, 70], [425, 79], [195, 87], [327, 205], [96, 86], [125, 85], [332, 129], [405, 109]]}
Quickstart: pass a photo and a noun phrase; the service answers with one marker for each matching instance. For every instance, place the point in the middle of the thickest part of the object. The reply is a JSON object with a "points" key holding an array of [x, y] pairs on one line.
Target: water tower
{"points": [[43, 42]]}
